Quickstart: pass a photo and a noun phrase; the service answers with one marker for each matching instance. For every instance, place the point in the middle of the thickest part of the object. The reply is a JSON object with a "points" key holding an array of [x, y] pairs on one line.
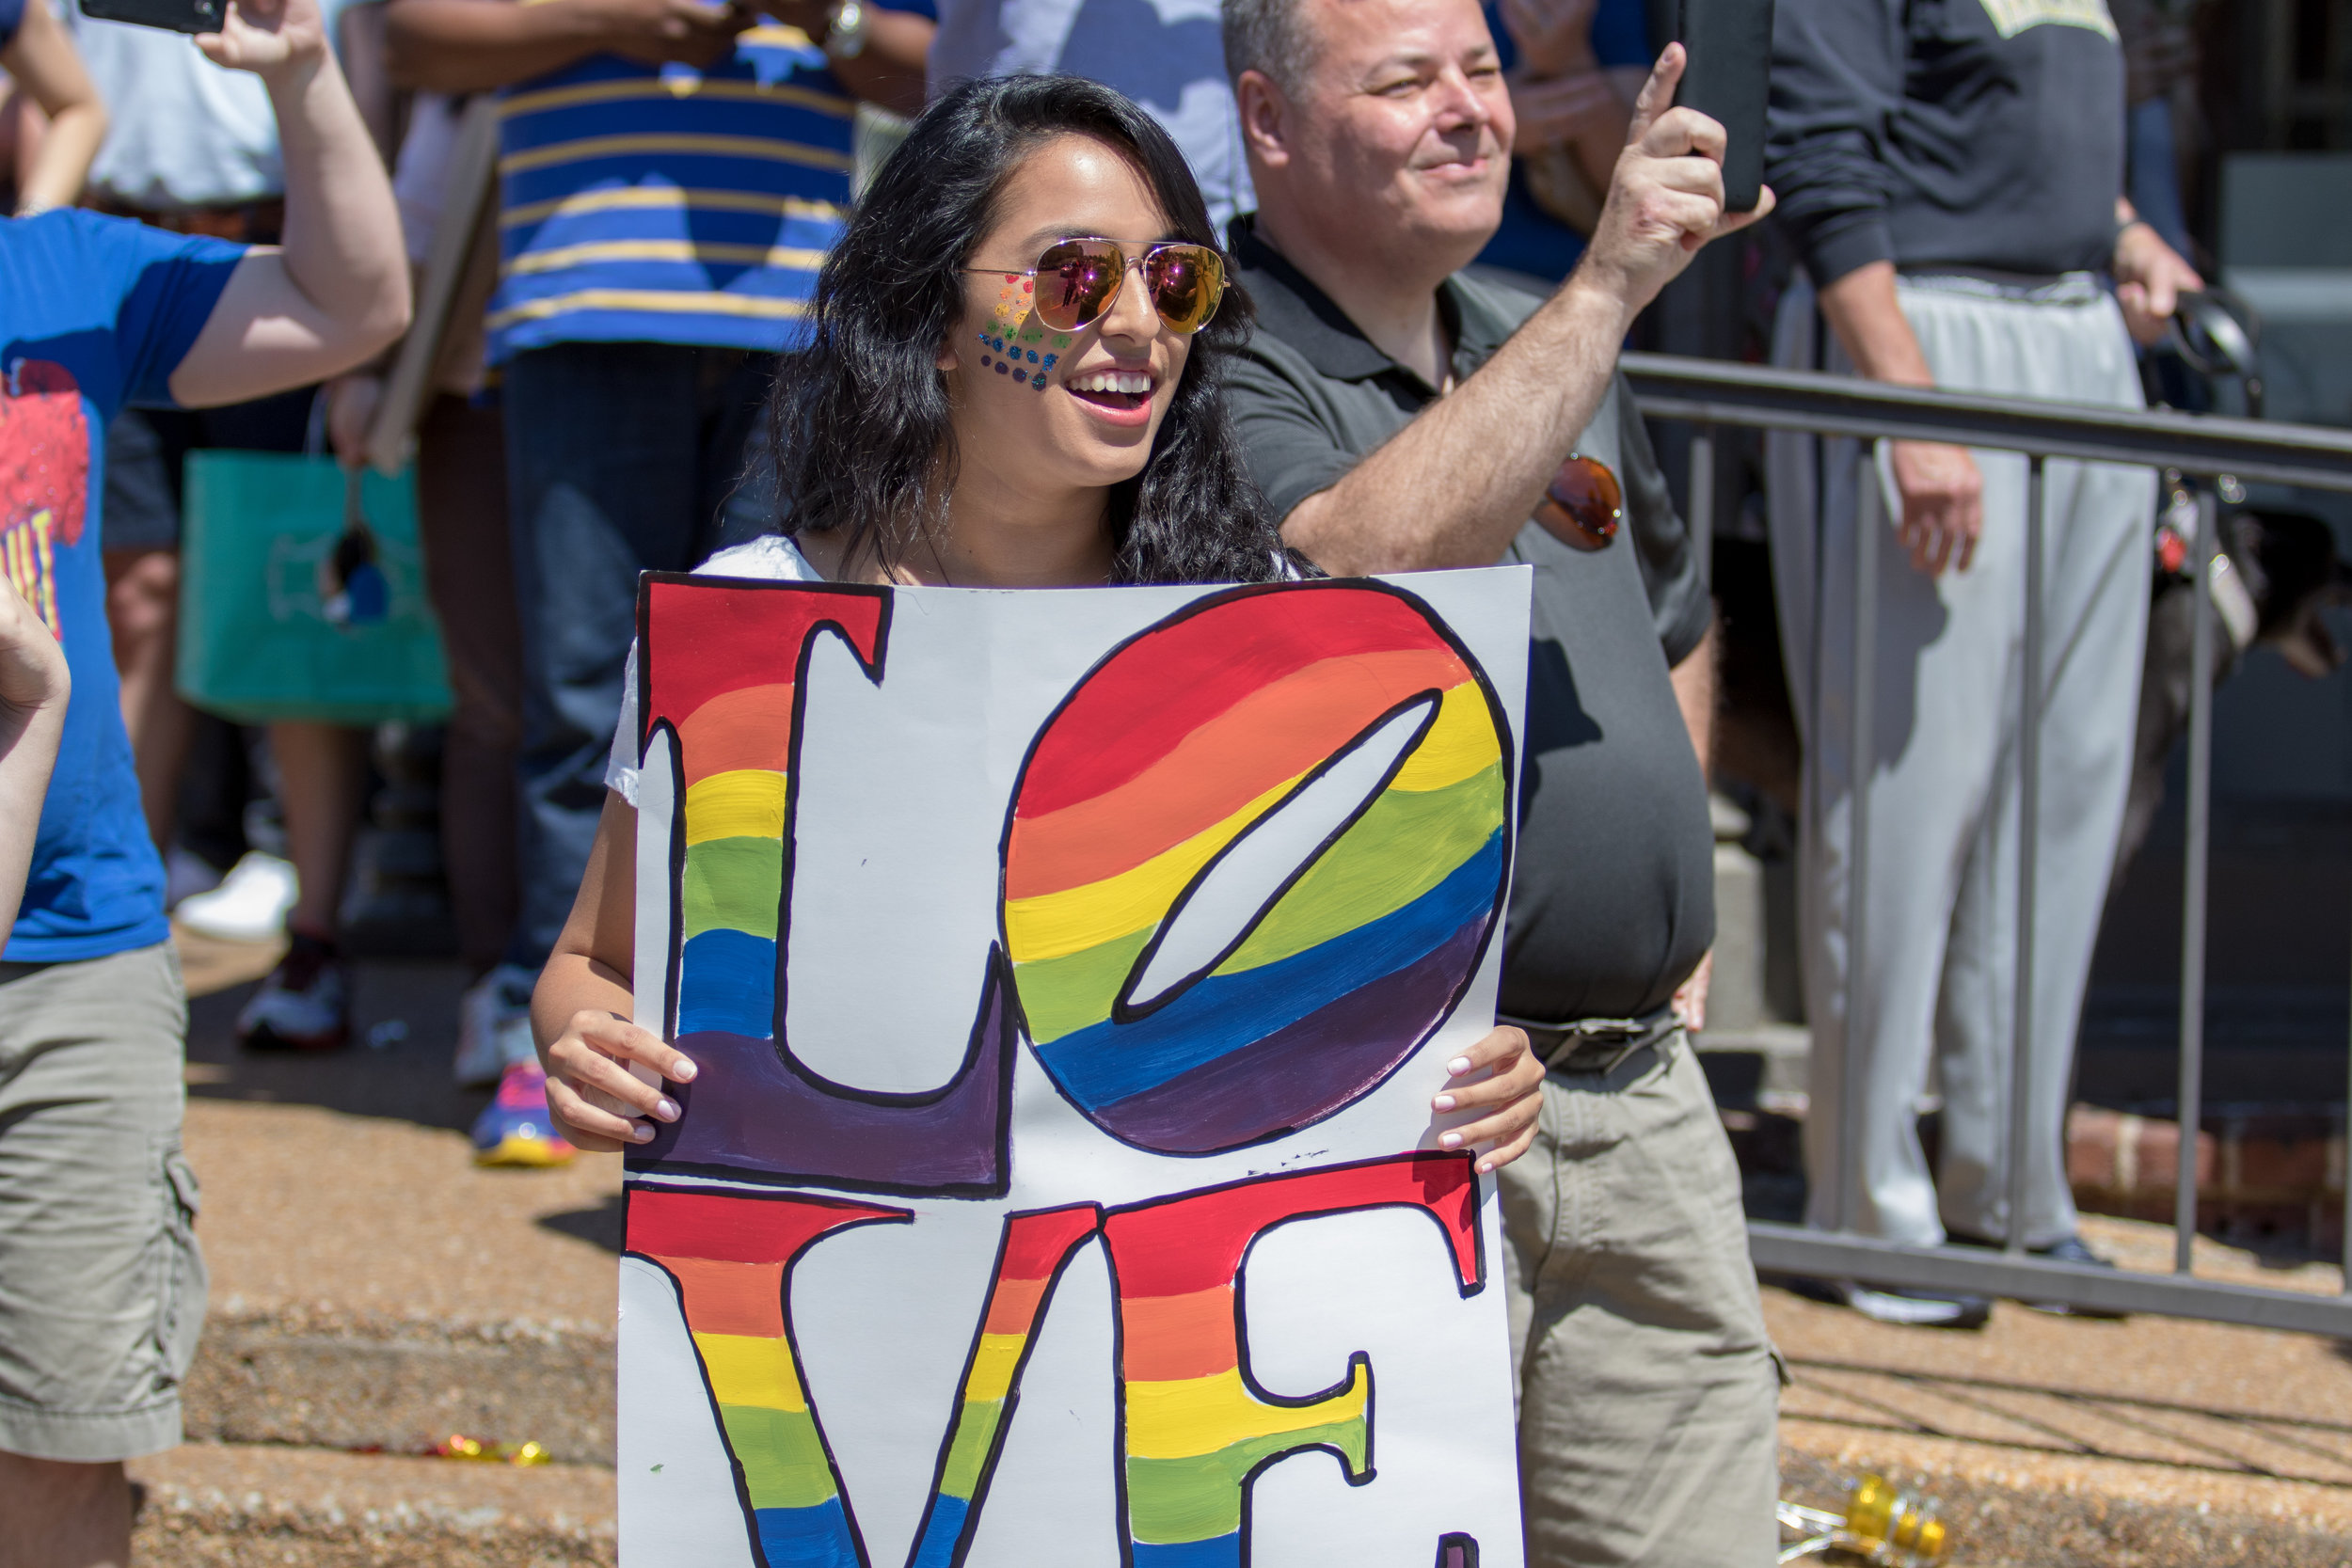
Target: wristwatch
{"points": [[844, 31]]}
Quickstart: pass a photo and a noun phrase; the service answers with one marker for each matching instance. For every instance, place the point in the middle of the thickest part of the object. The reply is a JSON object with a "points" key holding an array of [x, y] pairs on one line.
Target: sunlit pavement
{"points": [[372, 1291]]}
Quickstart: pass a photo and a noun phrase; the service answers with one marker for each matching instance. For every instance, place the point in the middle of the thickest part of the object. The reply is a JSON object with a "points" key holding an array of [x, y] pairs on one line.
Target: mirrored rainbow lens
{"points": [[1076, 280], [1186, 281]]}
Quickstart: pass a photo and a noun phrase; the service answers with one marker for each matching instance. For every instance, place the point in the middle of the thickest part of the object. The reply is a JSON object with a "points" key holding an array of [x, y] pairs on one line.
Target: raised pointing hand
{"points": [[1666, 198]]}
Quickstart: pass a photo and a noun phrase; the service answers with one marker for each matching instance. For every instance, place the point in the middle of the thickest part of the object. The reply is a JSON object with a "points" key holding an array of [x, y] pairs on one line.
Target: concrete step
{"points": [[214, 1506], [291, 1374], [373, 1290], [223, 1505], [371, 1287]]}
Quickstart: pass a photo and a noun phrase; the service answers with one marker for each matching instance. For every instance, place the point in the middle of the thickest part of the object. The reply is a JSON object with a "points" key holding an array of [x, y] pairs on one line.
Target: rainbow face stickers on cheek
{"points": [[1013, 335]]}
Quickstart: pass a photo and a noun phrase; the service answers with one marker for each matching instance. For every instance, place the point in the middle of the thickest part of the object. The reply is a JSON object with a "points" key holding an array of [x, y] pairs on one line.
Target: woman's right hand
{"points": [[594, 1098], [33, 674]]}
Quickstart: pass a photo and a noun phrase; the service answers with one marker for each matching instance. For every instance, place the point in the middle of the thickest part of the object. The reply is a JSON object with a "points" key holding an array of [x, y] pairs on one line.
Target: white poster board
{"points": [[1069, 975]]}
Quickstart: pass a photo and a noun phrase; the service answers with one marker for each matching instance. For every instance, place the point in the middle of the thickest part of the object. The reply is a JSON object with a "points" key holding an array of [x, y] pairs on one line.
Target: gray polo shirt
{"points": [[1612, 901]]}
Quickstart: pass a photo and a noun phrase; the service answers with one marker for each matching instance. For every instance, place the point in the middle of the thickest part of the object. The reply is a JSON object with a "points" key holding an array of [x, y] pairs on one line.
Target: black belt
{"points": [[261, 221], [1597, 1044]]}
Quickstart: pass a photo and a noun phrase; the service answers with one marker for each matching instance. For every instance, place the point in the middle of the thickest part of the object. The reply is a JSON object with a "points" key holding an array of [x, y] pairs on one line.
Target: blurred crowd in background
{"points": [[595, 335], [467, 834]]}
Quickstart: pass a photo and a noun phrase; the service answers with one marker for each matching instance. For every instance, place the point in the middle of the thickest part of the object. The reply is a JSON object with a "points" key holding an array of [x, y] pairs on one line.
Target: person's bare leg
{"points": [[143, 613], [62, 1515], [321, 771]]}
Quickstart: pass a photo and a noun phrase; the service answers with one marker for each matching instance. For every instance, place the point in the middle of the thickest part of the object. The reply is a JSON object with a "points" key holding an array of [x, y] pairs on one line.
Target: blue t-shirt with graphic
{"points": [[95, 312]]}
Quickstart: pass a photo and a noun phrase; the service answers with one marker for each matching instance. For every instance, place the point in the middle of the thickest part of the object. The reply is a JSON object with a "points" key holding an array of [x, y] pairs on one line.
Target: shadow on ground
{"points": [[601, 1225], [403, 1035]]}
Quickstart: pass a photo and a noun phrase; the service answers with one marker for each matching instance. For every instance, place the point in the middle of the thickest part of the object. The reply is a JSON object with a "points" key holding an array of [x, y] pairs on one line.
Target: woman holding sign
{"points": [[993, 396]]}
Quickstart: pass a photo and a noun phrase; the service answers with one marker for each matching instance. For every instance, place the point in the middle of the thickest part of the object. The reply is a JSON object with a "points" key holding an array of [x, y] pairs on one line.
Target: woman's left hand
{"points": [[1500, 1074]]}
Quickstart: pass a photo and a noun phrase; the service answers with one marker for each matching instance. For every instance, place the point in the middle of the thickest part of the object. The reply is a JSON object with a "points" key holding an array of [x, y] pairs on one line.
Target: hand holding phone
{"points": [[259, 36], [175, 16], [1665, 196], [1728, 80], [262, 36]]}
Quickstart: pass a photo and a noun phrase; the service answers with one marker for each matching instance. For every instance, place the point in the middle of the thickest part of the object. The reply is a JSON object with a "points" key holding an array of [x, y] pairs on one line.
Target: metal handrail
{"points": [[1710, 391], [1707, 393]]}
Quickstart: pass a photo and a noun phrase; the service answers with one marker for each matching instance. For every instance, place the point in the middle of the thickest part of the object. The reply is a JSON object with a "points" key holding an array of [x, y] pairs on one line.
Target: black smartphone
{"points": [[1726, 79], [176, 16]]}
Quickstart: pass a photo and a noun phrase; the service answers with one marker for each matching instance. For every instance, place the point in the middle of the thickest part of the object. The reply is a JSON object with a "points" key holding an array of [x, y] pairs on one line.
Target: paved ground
{"points": [[372, 1291]]}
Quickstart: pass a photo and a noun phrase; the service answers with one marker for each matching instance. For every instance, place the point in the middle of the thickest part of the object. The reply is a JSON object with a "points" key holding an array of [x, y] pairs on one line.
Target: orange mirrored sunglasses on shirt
{"points": [[1582, 504], [1078, 280]]}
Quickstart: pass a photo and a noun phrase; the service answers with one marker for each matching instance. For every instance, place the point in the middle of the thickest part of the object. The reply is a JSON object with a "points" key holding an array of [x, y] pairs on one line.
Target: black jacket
{"points": [[1984, 133]]}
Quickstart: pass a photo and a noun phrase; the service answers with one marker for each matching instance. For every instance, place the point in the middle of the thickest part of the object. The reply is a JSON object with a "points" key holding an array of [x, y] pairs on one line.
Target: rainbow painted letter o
{"points": [[1171, 750]]}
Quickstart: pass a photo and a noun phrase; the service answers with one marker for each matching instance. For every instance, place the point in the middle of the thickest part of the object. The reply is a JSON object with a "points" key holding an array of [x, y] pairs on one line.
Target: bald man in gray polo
{"points": [[1403, 416]]}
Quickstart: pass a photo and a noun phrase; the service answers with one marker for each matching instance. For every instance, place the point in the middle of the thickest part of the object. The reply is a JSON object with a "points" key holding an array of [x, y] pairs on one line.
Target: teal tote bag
{"points": [[302, 593]]}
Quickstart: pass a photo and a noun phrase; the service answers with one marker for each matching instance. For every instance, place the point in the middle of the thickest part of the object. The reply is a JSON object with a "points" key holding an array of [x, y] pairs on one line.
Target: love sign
{"points": [[1069, 975]]}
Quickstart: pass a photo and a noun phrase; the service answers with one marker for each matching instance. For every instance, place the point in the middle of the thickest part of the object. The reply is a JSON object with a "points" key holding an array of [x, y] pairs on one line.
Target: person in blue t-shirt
{"points": [[1574, 67], [105, 1285]]}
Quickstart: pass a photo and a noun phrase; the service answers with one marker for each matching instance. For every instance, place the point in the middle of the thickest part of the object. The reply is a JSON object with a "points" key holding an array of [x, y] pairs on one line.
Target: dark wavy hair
{"points": [[858, 422]]}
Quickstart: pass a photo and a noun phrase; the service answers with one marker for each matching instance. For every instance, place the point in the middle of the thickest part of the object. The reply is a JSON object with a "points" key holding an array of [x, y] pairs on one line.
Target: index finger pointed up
{"points": [[1658, 93]]}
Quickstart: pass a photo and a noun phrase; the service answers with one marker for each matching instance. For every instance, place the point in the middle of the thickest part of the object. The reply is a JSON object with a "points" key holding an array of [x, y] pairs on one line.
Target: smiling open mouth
{"points": [[1124, 390]]}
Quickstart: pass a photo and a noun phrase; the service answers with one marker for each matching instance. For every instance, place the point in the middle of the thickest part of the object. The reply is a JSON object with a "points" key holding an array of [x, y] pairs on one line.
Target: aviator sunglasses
{"points": [[1583, 504], [1076, 282]]}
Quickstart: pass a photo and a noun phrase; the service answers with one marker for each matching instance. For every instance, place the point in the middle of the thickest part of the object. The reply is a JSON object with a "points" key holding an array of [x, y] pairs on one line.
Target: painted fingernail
{"points": [[684, 1072], [640, 1131], [666, 1109], [1451, 1140], [1485, 1166], [1460, 1065], [1443, 1102]]}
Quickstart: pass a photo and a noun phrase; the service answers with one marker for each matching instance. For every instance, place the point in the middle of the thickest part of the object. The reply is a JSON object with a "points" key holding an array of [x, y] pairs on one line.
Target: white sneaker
{"points": [[494, 1026], [305, 1005], [249, 905]]}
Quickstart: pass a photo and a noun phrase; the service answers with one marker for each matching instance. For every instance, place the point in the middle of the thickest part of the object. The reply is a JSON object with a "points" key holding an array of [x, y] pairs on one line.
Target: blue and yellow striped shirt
{"points": [[670, 205]]}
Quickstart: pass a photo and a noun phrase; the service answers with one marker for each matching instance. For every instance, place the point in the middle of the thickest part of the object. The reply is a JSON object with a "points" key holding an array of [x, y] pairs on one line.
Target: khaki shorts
{"points": [[1650, 1392], [102, 1286]]}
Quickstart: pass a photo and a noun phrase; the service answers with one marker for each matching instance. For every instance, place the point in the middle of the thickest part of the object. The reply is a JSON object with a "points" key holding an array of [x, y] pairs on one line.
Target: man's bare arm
{"points": [[1694, 694], [1943, 494], [475, 45], [2148, 276], [1450, 488], [42, 60], [888, 70], [336, 290]]}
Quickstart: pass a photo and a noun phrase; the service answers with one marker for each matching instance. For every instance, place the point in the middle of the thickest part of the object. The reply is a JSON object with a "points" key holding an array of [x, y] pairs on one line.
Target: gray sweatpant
{"points": [[1938, 955]]}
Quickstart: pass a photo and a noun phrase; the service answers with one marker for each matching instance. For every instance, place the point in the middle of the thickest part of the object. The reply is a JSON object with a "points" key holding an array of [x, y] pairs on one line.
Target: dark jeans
{"points": [[620, 459], [147, 453], [469, 573]]}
